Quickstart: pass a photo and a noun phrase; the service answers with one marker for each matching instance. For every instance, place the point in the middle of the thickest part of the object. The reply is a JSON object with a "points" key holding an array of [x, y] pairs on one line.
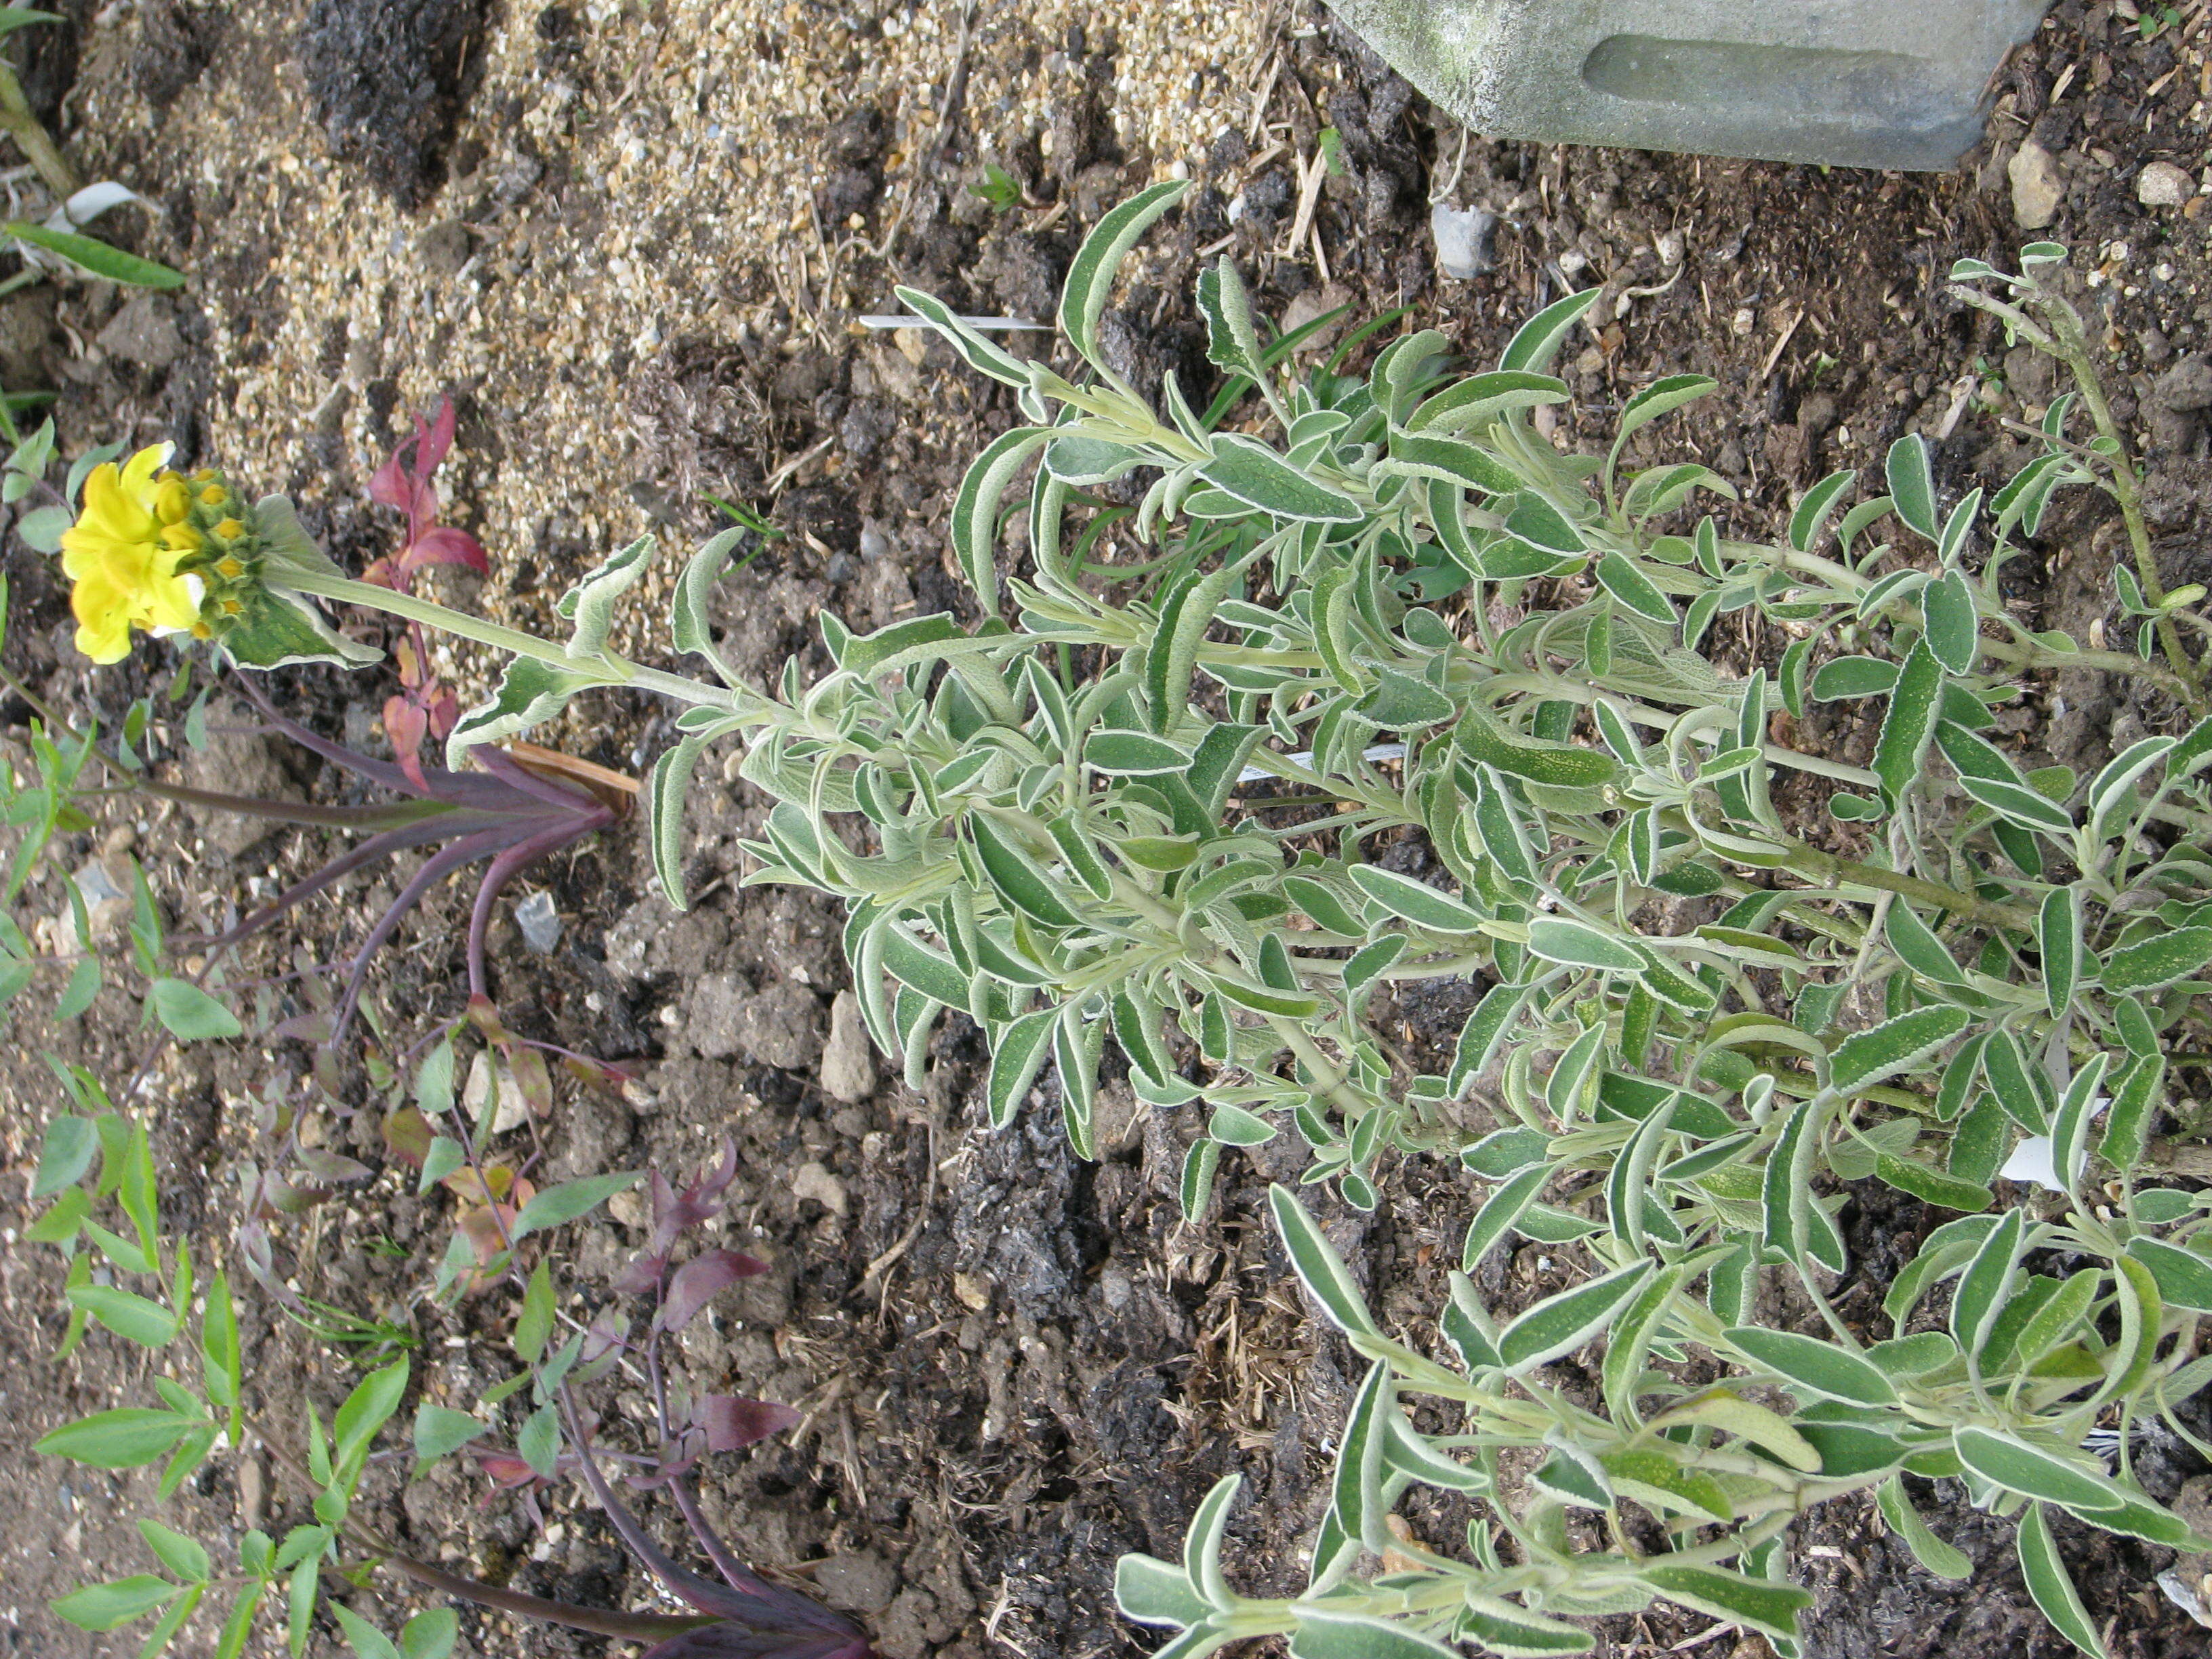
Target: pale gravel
{"points": [[703, 156]]}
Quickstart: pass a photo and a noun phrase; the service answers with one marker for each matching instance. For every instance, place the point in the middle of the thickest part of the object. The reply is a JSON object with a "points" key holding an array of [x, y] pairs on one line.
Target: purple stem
{"points": [[448, 859], [503, 868]]}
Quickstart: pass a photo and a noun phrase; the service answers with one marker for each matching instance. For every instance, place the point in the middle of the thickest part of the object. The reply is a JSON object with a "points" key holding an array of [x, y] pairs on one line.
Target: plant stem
{"points": [[2073, 343], [1808, 860], [606, 669]]}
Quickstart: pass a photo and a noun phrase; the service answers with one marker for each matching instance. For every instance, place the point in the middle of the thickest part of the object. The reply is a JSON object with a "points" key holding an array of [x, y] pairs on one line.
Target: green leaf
{"points": [[1501, 1210], [590, 604], [1133, 754], [1810, 1363], [88, 254], [1232, 343], [1506, 1628], [2020, 804], [975, 509], [1017, 876], [1814, 506], [105, 1606], [1318, 1265], [190, 1013], [534, 1326], [184, 1557], [1663, 397], [1912, 485], [132, 1317], [1841, 677], [1761, 1604], [1199, 1166], [1328, 1633], [539, 1440], [1618, 575], [121, 1439], [979, 352], [2037, 1472], [431, 1634], [1909, 723], [1866, 1057], [565, 1203], [1150, 1591], [1248, 470], [1016, 1056], [1933, 1186], [530, 693], [65, 1155], [2158, 961], [1929, 1551], [440, 1431], [2058, 936], [2184, 1278], [1201, 1545], [1555, 938], [2051, 1586], [365, 1411], [1947, 604], [1090, 277], [1536, 343], [83, 986], [1414, 901], [171, 1621], [364, 1638], [1562, 1323]]}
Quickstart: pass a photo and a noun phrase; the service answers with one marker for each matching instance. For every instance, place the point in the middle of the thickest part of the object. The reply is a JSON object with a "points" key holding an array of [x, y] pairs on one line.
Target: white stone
{"points": [[2162, 184], [2038, 188]]}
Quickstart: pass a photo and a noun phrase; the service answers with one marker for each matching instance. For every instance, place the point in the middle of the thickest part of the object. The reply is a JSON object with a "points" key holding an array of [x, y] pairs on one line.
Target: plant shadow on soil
{"points": [[1013, 1366]]}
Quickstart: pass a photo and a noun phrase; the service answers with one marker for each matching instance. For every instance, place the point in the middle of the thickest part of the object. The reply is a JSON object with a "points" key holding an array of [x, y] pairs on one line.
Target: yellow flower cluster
{"points": [[125, 552]]}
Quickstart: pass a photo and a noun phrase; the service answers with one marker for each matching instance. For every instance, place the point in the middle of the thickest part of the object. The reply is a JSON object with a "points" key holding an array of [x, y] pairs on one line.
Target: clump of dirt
{"points": [[386, 78]]}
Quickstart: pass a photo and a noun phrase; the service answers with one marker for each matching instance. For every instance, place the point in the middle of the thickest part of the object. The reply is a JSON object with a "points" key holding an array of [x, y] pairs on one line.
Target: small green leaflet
{"points": [[190, 1014], [1319, 1268], [1867, 1057], [2051, 1586], [1810, 1363], [1557, 939], [1414, 901], [1560, 1324], [1254, 474], [1912, 485], [565, 1203], [1090, 277]]}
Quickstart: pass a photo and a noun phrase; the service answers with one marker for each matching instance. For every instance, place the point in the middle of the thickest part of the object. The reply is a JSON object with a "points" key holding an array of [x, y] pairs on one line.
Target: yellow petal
{"points": [[138, 477]]}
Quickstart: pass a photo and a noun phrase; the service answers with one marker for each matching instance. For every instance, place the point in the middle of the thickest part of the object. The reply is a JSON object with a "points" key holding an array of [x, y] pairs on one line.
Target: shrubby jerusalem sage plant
{"points": [[1416, 613]]}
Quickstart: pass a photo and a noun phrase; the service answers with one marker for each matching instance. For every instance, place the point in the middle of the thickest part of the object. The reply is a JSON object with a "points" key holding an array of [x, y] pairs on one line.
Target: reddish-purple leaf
{"points": [[407, 725], [731, 1423], [313, 1026], [673, 1212], [697, 1282], [431, 442], [531, 1078], [408, 1134], [640, 1274], [391, 487], [445, 545], [505, 1470], [443, 710]]}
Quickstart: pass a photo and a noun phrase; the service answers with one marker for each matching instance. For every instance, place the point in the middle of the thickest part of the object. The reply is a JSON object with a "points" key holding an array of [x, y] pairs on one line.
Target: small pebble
{"points": [[2162, 184], [539, 922]]}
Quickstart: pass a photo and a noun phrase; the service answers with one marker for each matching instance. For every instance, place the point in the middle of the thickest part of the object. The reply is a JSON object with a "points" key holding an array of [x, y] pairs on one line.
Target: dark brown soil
{"points": [[1014, 1367]]}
